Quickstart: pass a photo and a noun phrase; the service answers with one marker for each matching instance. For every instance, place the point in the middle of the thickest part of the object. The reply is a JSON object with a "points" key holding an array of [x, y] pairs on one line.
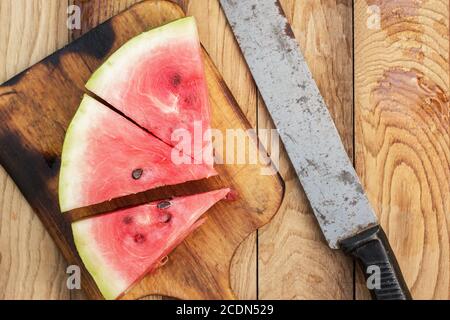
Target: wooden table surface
{"points": [[390, 104]]}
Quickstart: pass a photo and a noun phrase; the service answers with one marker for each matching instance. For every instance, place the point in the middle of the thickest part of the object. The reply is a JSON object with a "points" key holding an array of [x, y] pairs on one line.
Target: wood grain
{"points": [[402, 133], [404, 163], [294, 260], [30, 264], [218, 40], [94, 12], [196, 269]]}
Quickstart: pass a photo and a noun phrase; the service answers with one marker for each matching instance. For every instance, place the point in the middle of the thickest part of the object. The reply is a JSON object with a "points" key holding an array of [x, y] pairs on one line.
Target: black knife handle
{"points": [[377, 259]]}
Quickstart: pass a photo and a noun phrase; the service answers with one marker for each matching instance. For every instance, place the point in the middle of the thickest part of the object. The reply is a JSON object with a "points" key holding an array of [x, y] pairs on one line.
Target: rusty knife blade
{"points": [[301, 117]]}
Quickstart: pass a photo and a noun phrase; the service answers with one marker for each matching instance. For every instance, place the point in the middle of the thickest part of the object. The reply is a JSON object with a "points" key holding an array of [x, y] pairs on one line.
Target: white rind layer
{"points": [[88, 116], [140, 45], [107, 279]]}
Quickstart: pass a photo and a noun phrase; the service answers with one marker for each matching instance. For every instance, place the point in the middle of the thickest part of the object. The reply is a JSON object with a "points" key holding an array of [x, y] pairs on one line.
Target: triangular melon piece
{"points": [[158, 80], [120, 248], [106, 156]]}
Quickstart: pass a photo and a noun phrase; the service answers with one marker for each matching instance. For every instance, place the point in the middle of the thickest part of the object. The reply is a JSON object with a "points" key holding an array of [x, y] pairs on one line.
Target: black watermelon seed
{"points": [[139, 238], [137, 174], [176, 80], [127, 220], [165, 218], [163, 261], [164, 204], [188, 100]]}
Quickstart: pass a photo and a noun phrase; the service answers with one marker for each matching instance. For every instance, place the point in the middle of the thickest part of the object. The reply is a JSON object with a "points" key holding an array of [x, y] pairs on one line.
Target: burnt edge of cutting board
{"points": [[34, 118]]}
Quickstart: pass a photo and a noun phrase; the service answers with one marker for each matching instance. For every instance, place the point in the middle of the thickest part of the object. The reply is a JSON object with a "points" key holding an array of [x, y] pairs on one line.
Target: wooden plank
{"points": [[294, 260], [30, 264], [26, 15], [402, 133], [236, 76], [94, 12], [54, 86], [219, 42]]}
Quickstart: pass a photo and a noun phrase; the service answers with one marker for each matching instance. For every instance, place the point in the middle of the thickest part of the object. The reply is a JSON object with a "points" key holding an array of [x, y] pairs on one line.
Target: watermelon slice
{"points": [[105, 156], [120, 248], [158, 80]]}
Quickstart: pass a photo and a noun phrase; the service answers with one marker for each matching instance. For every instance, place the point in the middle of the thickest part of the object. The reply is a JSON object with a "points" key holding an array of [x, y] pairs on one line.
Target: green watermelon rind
{"points": [[184, 26], [107, 282], [74, 144]]}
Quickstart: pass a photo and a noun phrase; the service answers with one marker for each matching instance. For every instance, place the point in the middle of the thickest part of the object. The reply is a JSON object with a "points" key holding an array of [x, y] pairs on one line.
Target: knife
{"points": [[312, 142]]}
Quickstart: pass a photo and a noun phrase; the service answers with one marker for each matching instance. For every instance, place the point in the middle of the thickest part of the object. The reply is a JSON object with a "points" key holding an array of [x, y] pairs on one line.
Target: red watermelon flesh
{"points": [[106, 156], [158, 80], [119, 248]]}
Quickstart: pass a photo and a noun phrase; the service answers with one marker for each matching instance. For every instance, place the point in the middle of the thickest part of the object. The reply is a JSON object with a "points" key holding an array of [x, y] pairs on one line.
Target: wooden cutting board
{"points": [[36, 108]]}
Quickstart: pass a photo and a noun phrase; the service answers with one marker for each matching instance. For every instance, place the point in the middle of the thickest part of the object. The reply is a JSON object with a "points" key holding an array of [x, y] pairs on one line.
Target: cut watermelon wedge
{"points": [[157, 79], [105, 156], [120, 248]]}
